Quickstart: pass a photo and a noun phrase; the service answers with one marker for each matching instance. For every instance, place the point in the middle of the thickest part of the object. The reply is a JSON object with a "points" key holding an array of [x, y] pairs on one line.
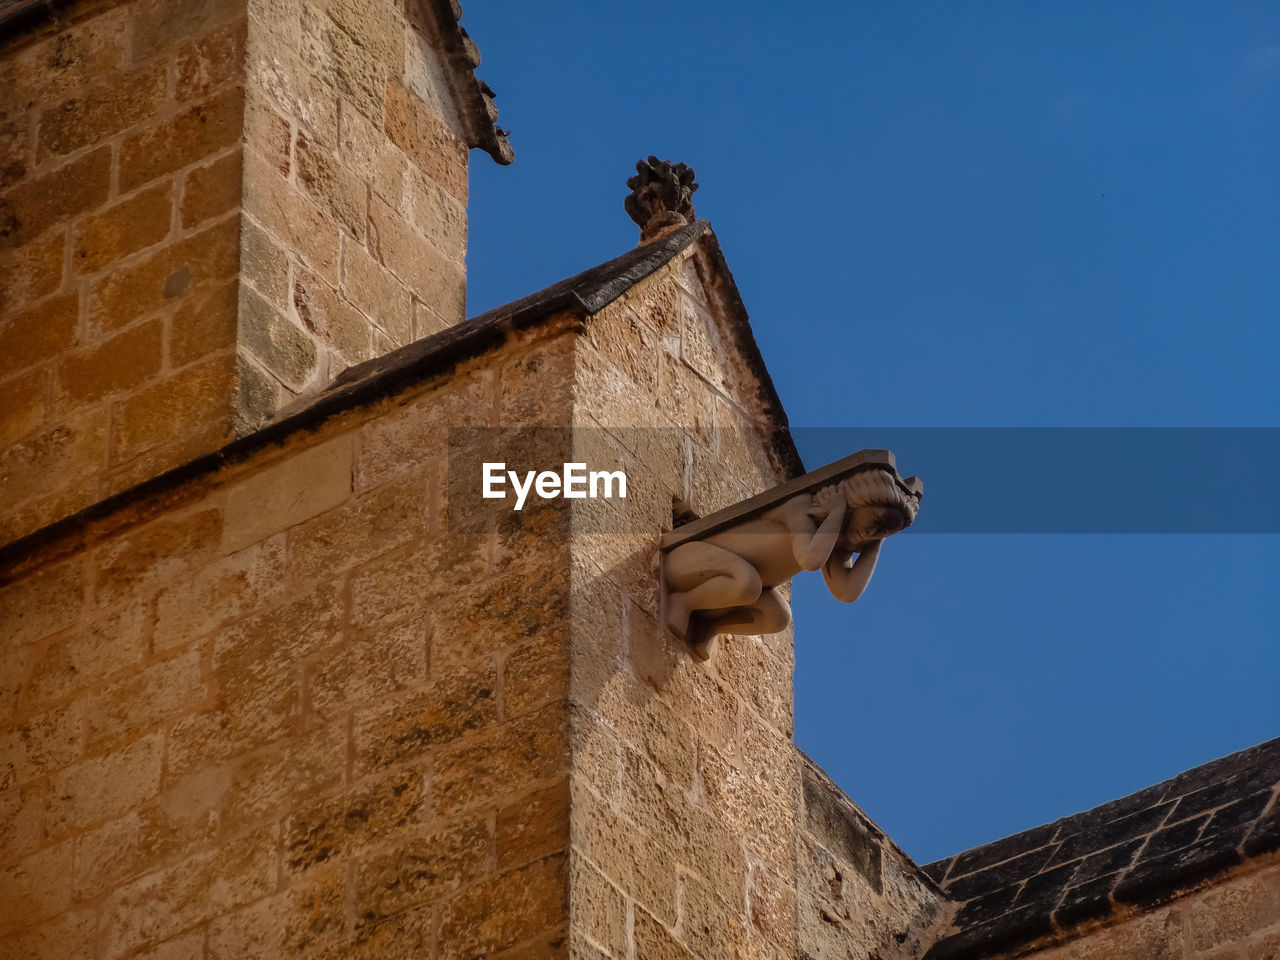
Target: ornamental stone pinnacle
{"points": [[661, 197]]}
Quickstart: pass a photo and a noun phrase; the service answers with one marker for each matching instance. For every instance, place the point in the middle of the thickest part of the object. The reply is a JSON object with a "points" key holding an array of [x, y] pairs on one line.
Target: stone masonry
{"points": [[209, 209]]}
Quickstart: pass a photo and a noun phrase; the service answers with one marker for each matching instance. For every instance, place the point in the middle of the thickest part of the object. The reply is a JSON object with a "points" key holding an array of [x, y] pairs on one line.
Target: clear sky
{"points": [[958, 215]]}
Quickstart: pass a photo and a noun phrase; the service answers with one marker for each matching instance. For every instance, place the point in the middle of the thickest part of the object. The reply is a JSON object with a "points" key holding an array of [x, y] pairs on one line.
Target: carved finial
{"points": [[661, 196]]}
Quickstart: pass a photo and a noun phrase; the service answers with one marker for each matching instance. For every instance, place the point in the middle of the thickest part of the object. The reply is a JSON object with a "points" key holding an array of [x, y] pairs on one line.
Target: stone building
{"points": [[272, 685]]}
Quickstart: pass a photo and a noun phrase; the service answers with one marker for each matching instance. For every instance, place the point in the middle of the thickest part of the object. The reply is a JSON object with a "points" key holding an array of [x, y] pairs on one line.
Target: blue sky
{"points": [[947, 215]]}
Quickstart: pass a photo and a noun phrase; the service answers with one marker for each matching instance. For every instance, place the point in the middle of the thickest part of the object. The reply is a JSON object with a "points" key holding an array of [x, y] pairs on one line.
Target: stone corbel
{"points": [[720, 573]]}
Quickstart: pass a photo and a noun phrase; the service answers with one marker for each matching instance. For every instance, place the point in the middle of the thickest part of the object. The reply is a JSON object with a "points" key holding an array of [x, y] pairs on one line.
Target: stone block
{"points": [[306, 919], [123, 362], [23, 404], [334, 189], [40, 333], [439, 216], [597, 909], [207, 128], [498, 760], [535, 674], [426, 140], [20, 821], [363, 148], [294, 220], [406, 728], [35, 888], [377, 293], [52, 474], [371, 813], [104, 787], [279, 344], [270, 784], [100, 111], [210, 61], [45, 601], [36, 205], [1234, 911], [31, 272], [338, 58], [166, 548], [335, 322], [203, 324], [88, 654], [424, 868], [193, 891], [164, 276], [373, 668], [212, 190], [358, 530], [265, 264], [220, 593], [137, 222], [161, 25], [534, 826], [653, 941], [286, 493], [74, 57], [141, 701], [429, 276], [532, 899], [170, 408]]}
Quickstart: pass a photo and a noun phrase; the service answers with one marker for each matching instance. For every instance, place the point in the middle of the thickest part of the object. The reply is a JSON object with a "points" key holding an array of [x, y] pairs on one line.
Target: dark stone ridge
{"points": [[661, 196], [1140, 850]]}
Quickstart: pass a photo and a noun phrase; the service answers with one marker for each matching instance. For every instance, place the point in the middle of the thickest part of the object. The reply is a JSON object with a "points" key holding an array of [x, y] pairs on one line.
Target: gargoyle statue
{"points": [[661, 196], [726, 582]]}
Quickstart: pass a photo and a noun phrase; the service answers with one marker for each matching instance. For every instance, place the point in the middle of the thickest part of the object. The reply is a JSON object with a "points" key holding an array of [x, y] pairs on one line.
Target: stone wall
{"points": [[283, 711], [685, 784], [208, 210]]}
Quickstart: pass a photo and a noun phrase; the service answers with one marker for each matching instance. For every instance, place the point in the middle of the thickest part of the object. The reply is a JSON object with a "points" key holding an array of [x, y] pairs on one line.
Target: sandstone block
{"points": [[301, 227], [335, 190], [104, 787], [139, 702], [286, 493], [101, 111], [204, 129], [339, 58], [408, 727], [31, 272], [74, 57], [597, 909], [41, 603], [170, 408], [20, 826], [376, 293], [535, 674], [372, 669], [265, 264], [533, 898], [364, 149], [69, 936], [257, 395], [500, 760], [45, 743], [170, 272], [169, 547], [220, 593], [212, 190], [439, 216], [430, 277], [270, 783], [139, 221], [53, 473], [358, 530], [279, 344], [371, 813], [160, 905], [337, 323], [533, 827], [426, 140], [655, 942], [34, 206], [161, 25], [39, 333], [23, 402], [210, 61], [203, 324], [35, 888], [424, 868], [124, 362], [1235, 911], [307, 919], [88, 654]]}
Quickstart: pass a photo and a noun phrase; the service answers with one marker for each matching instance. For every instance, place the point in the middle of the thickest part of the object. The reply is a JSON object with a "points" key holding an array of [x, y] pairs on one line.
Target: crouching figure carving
{"points": [[720, 574]]}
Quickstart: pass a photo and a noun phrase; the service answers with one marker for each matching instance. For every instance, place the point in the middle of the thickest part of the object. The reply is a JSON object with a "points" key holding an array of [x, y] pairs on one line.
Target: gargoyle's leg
{"points": [[769, 614], [702, 576]]}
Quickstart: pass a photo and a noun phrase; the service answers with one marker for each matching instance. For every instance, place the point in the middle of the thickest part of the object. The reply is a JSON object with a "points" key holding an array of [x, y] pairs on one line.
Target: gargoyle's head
{"points": [[880, 505]]}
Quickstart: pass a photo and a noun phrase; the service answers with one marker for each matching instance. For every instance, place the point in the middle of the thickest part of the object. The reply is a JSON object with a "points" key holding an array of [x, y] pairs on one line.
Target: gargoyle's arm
{"points": [[846, 580], [812, 549]]}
